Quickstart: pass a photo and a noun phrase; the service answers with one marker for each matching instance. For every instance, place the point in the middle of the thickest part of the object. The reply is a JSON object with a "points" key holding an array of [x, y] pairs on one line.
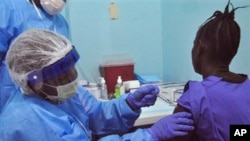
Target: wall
{"points": [[157, 34], [181, 19], [136, 32]]}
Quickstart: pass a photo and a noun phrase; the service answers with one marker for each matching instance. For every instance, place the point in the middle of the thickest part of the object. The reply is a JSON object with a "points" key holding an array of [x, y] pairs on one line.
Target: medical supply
{"points": [[119, 88], [131, 86], [147, 79], [93, 89], [103, 89], [177, 94], [137, 99], [83, 82], [170, 92], [116, 65]]}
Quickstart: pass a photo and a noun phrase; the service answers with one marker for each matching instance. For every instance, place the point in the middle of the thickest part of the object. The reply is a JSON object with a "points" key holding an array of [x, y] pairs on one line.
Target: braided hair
{"points": [[222, 33]]}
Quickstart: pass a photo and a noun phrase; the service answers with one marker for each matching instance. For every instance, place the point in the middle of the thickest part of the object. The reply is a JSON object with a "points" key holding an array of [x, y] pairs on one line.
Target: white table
{"points": [[150, 115]]}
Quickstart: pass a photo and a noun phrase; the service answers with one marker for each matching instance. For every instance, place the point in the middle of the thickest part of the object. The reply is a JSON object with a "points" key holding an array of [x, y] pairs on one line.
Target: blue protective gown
{"points": [[30, 118], [215, 104], [16, 17]]}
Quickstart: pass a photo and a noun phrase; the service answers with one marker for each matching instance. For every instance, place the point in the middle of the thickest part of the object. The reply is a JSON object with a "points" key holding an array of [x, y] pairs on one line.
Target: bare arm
{"points": [[188, 137]]}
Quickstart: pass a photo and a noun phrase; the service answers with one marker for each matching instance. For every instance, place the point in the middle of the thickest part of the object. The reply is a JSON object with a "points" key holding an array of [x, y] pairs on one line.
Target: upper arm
{"points": [[5, 26], [190, 135]]}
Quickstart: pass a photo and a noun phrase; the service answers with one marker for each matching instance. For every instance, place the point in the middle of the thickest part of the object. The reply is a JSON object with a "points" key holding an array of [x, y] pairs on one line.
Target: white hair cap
{"points": [[34, 49]]}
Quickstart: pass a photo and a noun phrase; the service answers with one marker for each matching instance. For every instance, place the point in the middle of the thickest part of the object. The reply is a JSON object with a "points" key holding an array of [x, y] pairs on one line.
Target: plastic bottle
{"points": [[103, 89], [119, 88]]}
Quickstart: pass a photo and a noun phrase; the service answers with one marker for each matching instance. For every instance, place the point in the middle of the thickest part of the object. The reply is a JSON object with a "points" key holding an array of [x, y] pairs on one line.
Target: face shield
{"points": [[41, 57], [64, 90], [53, 70]]}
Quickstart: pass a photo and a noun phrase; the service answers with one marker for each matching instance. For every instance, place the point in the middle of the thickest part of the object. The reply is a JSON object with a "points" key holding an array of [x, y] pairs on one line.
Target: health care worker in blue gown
{"points": [[18, 16], [51, 106]]}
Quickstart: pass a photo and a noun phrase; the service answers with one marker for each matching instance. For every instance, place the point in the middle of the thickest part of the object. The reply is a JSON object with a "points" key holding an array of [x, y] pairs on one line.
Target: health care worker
{"points": [[18, 16], [52, 106]]}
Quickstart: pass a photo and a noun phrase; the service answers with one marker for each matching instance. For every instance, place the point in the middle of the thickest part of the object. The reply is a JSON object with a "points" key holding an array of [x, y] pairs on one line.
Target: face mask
{"points": [[64, 91], [52, 7]]}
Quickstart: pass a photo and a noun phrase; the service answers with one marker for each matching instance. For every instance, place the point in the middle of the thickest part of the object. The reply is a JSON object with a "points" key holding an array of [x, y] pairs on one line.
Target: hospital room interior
{"points": [[128, 70], [154, 37], [157, 35]]}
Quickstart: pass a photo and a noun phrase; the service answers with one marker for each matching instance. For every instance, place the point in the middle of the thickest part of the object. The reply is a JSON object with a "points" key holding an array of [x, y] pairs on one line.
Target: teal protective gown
{"points": [[16, 17], [31, 118]]}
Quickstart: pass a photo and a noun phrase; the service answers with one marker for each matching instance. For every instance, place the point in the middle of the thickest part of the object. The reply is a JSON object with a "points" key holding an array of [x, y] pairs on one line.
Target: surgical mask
{"points": [[52, 7], [65, 91]]}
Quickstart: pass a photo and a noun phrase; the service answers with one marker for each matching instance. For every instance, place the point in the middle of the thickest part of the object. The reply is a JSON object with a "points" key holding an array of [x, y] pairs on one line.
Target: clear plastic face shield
{"points": [[57, 81]]}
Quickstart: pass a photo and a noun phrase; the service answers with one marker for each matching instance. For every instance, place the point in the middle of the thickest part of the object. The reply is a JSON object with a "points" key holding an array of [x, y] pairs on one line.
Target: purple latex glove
{"points": [[178, 124], [144, 96]]}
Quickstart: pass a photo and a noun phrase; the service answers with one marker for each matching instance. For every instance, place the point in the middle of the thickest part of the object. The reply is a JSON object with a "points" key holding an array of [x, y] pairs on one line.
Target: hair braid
{"points": [[222, 33]]}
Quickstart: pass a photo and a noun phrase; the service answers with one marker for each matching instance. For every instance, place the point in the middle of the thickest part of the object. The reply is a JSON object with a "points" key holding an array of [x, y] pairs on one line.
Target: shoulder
{"points": [[14, 4], [190, 85], [61, 25], [11, 11], [60, 18], [204, 84], [29, 108], [25, 114], [193, 95]]}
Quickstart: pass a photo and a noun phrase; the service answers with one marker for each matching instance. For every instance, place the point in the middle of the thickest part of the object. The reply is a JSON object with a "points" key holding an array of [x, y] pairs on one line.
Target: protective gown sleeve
{"points": [[138, 135], [5, 28], [5, 36], [27, 118], [113, 116]]}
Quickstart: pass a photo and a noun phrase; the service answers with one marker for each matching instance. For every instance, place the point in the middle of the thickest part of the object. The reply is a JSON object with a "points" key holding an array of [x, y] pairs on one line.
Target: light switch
{"points": [[113, 11]]}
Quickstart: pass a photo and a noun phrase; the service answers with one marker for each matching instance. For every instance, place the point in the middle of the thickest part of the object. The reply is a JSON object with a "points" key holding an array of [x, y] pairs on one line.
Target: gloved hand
{"points": [[144, 96], [178, 124]]}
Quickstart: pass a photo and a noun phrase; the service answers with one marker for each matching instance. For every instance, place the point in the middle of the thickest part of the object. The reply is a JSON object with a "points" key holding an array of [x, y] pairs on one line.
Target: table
{"points": [[150, 115]]}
